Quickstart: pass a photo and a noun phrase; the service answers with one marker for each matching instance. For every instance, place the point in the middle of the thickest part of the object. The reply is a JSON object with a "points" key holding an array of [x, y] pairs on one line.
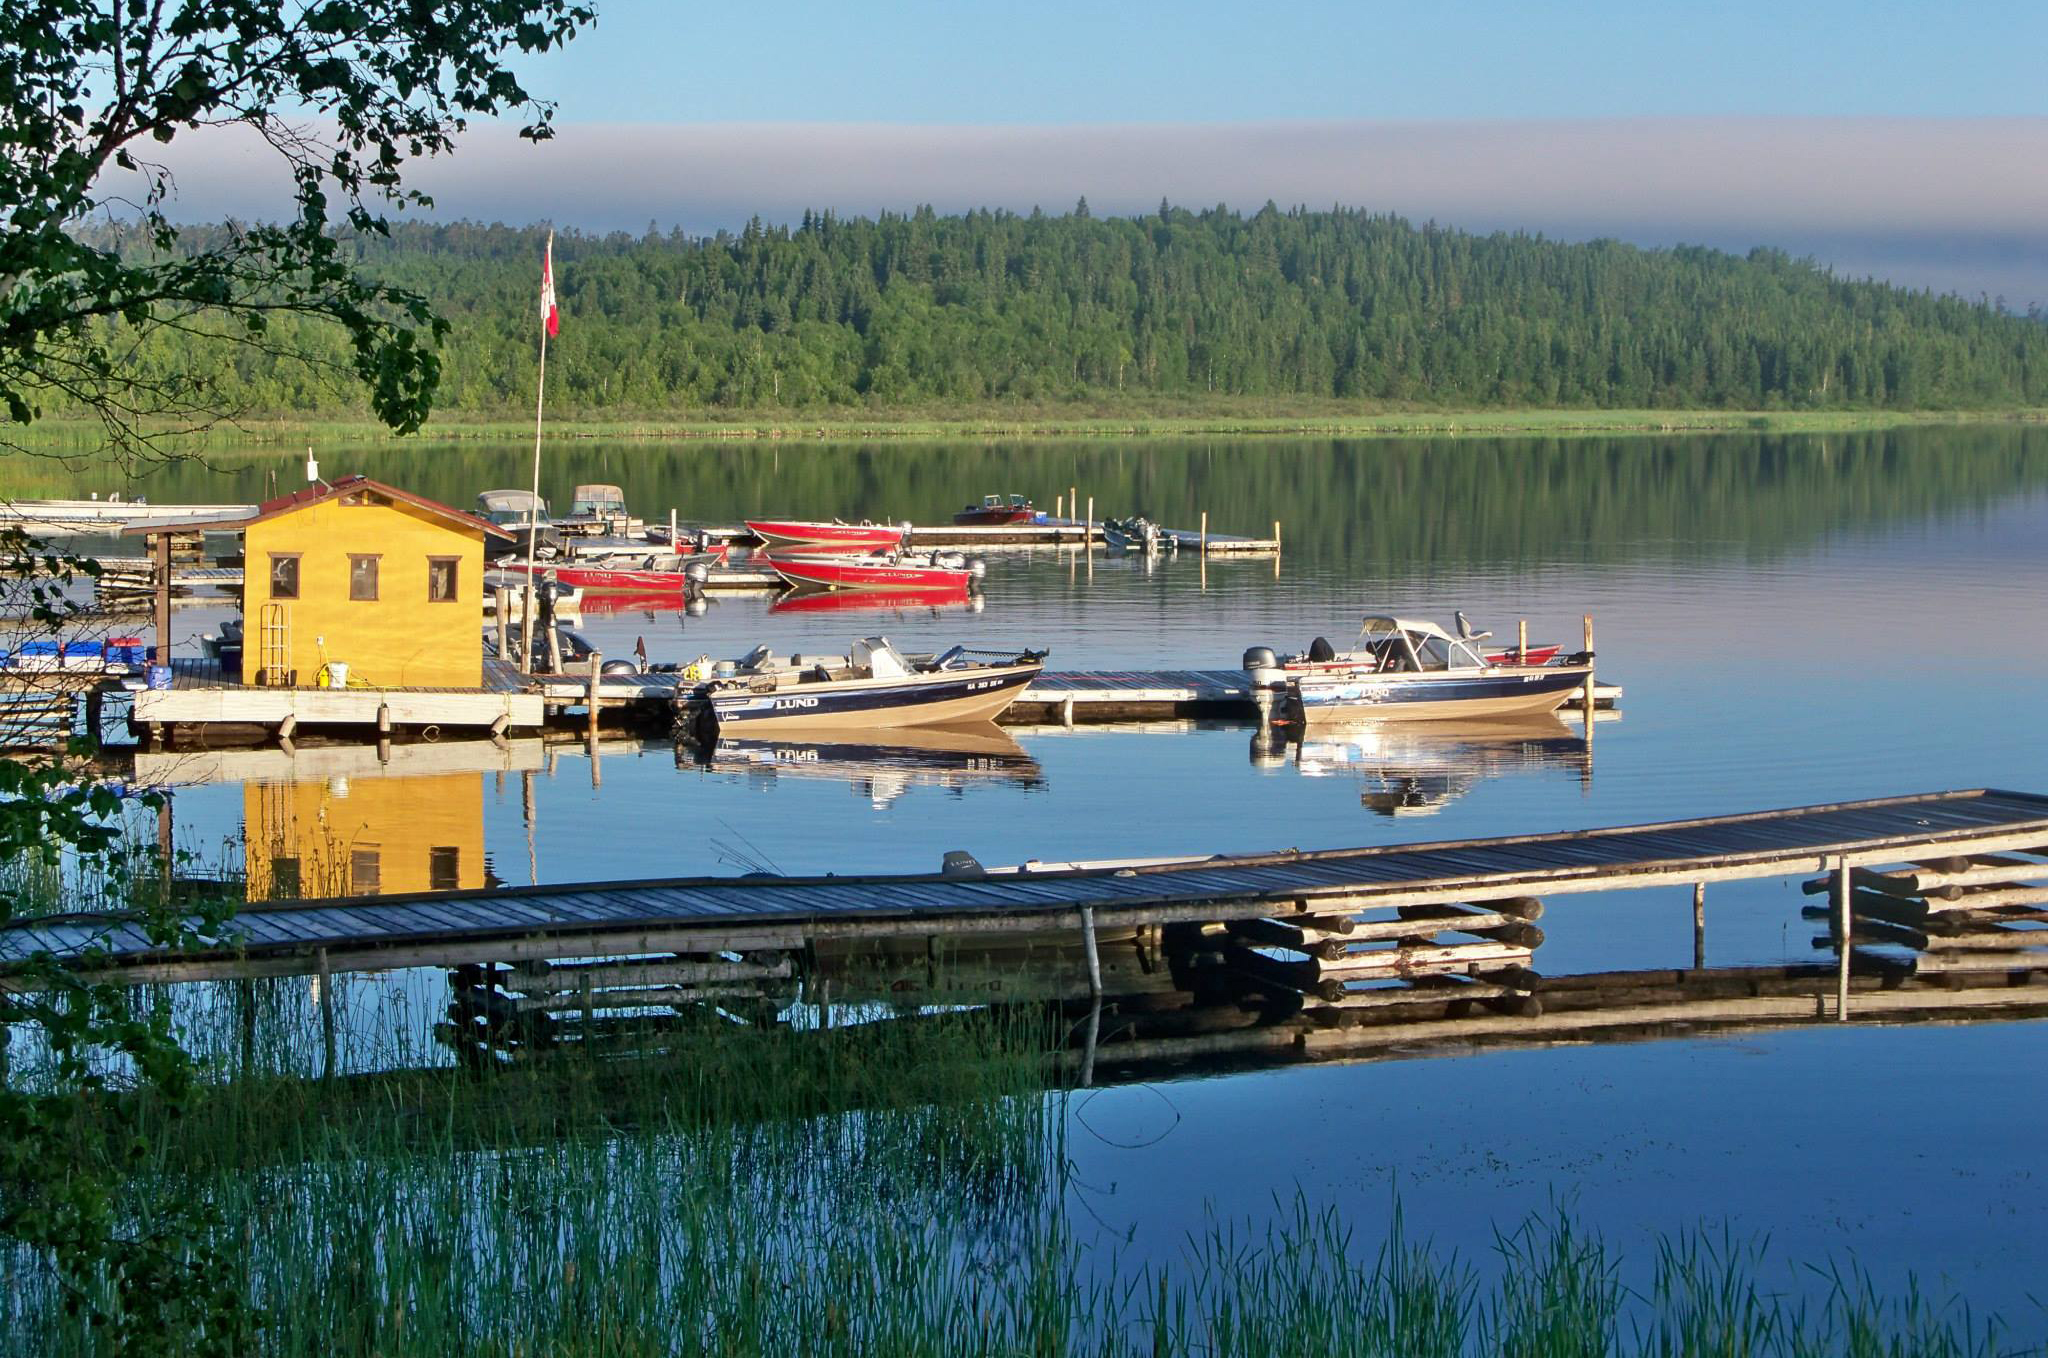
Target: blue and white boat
{"points": [[1407, 670], [874, 685]]}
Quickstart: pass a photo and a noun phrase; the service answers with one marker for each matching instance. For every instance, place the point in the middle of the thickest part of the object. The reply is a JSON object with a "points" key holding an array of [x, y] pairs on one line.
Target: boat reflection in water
{"points": [[653, 605], [1416, 768], [881, 763], [876, 601]]}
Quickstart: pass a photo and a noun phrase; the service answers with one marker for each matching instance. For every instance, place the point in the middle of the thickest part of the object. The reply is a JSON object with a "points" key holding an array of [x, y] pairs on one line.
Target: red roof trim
{"points": [[310, 495]]}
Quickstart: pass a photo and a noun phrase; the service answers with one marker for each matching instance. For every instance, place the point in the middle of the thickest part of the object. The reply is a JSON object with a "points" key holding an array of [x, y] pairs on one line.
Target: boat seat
{"points": [[1320, 651]]}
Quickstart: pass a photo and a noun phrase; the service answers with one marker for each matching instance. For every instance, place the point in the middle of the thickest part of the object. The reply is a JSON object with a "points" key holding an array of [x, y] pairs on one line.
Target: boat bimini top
{"points": [[1413, 644]]}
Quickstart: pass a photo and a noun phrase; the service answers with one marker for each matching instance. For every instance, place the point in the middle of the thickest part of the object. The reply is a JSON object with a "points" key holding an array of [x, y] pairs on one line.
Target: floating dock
{"points": [[1487, 888], [203, 695], [1045, 532]]}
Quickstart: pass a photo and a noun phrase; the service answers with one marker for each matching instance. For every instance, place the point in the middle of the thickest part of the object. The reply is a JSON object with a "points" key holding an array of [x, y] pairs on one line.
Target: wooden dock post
{"points": [[1589, 679], [163, 600], [672, 528], [1844, 891], [504, 602], [1088, 944], [1276, 537], [1094, 994], [1521, 641], [325, 980], [1074, 509], [1699, 926], [1088, 536], [591, 698], [1205, 532]]}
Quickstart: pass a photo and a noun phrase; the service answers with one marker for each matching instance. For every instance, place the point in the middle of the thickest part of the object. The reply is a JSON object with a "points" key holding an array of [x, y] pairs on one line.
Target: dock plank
{"points": [[1763, 844]]}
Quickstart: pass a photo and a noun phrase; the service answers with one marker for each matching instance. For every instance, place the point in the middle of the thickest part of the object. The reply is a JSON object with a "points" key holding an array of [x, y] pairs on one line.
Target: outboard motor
{"points": [[697, 572], [977, 569], [1263, 667]]}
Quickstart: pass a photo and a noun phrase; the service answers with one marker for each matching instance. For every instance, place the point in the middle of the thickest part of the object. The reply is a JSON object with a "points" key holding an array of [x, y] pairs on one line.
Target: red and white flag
{"points": [[549, 317]]}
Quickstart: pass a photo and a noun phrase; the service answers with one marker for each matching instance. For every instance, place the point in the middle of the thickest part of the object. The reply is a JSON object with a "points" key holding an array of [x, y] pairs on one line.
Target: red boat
{"points": [[661, 573], [992, 510], [828, 537], [925, 573]]}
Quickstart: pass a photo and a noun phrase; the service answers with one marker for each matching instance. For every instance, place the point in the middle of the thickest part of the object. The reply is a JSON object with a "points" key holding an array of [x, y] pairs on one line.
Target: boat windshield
{"points": [[1444, 653], [597, 500]]}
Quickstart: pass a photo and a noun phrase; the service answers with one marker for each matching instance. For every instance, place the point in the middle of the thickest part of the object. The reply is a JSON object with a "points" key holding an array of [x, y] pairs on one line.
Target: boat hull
{"points": [[826, 573], [968, 518], [826, 537], [944, 698], [1506, 691], [1346, 664]]}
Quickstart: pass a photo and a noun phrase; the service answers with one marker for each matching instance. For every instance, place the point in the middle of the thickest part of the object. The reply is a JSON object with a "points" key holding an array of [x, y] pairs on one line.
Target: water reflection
{"points": [[882, 764], [354, 820], [902, 603], [1417, 768]]}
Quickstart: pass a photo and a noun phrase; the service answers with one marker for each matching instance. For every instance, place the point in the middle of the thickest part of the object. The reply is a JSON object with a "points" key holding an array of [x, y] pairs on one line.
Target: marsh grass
{"points": [[884, 1188]]}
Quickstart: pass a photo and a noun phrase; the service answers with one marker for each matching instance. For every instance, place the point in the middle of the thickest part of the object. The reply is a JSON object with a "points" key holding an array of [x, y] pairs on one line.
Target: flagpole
{"points": [[526, 621]]}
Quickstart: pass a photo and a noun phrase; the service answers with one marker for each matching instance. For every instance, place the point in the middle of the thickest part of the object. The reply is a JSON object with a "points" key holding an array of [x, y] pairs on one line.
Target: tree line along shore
{"points": [[1212, 321]]}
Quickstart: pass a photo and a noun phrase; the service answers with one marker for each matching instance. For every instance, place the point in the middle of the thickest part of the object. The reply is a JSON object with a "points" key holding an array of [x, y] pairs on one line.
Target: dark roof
{"points": [[313, 494]]}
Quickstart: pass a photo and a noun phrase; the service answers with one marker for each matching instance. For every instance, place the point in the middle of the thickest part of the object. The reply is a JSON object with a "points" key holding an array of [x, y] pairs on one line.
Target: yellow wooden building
{"points": [[364, 836], [361, 578]]}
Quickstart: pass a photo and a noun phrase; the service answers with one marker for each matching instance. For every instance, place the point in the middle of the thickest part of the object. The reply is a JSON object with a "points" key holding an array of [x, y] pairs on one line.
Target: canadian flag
{"points": [[549, 317]]}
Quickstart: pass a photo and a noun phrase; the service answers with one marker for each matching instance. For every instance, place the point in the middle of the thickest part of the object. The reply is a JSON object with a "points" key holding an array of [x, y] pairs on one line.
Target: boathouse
{"points": [[359, 580]]}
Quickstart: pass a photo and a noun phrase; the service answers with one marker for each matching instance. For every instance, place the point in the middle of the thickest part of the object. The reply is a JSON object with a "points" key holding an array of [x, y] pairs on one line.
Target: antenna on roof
{"points": [[312, 469]]}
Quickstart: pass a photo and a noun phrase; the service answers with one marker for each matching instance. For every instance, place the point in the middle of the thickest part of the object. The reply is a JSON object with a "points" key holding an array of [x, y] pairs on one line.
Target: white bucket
{"points": [[337, 674]]}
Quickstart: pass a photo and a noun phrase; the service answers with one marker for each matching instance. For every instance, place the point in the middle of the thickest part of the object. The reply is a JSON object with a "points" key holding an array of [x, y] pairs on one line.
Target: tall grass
{"points": [[850, 1199], [884, 1188]]}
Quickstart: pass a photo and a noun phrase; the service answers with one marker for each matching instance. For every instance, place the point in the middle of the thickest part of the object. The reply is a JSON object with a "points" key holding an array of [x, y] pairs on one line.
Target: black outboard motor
{"points": [[1263, 667]]}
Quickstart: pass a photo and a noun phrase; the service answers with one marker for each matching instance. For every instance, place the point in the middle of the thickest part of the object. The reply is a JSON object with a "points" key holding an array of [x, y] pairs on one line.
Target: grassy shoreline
{"points": [[1077, 420]]}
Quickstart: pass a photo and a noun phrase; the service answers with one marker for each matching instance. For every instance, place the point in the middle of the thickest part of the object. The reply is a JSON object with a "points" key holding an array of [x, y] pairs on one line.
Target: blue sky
{"points": [[1901, 141], [1057, 61]]}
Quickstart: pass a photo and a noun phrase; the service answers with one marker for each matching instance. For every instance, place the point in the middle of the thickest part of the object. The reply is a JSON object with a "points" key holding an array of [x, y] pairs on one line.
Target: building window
{"points": [[362, 577], [284, 575], [284, 879], [365, 871], [444, 868], [441, 579]]}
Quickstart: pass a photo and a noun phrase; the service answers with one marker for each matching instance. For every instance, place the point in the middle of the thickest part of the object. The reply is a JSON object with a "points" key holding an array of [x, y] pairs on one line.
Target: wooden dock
{"points": [[134, 577], [1368, 904], [1047, 532], [1055, 697], [203, 695]]}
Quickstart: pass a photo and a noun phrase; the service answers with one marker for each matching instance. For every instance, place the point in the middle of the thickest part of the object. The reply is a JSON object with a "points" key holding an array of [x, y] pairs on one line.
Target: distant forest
{"points": [[923, 310]]}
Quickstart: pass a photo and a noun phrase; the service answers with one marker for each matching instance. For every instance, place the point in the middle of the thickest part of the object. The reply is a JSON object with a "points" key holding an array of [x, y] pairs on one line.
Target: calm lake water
{"points": [[1793, 619]]}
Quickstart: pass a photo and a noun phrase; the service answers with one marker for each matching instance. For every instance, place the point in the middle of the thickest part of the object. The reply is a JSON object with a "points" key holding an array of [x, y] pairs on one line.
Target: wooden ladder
{"points": [[274, 640]]}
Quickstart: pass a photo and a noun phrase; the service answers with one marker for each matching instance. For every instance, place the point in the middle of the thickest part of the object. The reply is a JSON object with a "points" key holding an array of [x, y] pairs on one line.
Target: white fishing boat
{"points": [[1410, 670], [874, 684]]}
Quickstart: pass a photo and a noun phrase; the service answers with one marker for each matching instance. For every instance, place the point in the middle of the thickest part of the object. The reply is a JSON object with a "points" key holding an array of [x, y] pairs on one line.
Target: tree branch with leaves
{"points": [[345, 93]]}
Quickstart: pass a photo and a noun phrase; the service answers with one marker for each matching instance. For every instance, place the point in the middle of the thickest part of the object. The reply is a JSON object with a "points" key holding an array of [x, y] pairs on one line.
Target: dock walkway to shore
{"points": [[1488, 888]]}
